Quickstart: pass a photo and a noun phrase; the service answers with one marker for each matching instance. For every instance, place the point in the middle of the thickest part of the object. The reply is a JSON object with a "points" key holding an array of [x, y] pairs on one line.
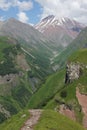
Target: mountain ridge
{"points": [[54, 21], [60, 30], [31, 40]]}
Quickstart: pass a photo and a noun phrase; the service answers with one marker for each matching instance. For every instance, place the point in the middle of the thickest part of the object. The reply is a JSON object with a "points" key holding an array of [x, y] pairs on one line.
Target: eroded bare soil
{"points": [[83, 102], [67, 112]]}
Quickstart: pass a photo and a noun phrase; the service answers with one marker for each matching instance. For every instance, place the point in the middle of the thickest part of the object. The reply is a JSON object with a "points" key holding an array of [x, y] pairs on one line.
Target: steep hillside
{"points": [[79, 56], [78, 43], [15, 89], [43, 55], [17, 29], [60, 30], [15, 122], [51, 120], [47, 91], [26, 33], [38, 49], [66, 100], [21, 74], [60, 95]]}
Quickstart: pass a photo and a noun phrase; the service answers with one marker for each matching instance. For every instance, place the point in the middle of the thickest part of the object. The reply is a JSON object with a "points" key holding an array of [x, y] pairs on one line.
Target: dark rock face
{"points": [[9, 78], [73, 71]]}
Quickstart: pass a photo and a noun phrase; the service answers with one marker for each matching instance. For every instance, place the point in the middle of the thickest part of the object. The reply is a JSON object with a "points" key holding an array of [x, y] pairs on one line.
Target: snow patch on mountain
{"points": [[54, 21]]}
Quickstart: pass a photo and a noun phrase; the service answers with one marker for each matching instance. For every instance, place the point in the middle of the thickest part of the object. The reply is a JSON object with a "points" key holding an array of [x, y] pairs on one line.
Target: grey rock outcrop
{"points": [[9, 78], [73, 71]]}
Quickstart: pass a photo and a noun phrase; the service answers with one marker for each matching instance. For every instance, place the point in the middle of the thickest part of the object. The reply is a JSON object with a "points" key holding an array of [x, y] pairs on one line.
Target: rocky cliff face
{"points": [[73, 71]]}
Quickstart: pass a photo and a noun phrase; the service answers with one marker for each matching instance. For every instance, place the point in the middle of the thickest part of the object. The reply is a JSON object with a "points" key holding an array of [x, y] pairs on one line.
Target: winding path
{"points": [[83, 102], [35, 115]]}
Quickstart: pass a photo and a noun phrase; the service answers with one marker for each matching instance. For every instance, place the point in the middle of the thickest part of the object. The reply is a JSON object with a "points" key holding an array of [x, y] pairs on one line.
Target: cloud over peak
{"points": [[76, 9]]}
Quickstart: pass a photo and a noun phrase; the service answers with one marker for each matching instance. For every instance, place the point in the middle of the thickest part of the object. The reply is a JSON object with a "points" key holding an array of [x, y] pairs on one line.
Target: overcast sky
{"points": [[32, 11]]}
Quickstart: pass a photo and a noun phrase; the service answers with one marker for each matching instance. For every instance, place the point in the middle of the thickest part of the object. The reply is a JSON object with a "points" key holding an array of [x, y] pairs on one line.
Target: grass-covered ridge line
{"points": [[70, 89], [51, 120], [69, 100], [79, 56], [16, 121], [53, 84]]}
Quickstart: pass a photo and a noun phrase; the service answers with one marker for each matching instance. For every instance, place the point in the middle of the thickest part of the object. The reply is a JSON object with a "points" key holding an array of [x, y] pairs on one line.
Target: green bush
{"points": [[63, 94]]}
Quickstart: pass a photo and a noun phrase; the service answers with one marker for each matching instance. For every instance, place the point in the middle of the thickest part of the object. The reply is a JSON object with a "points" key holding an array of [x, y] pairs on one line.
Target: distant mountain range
{"points": [[56, 32], [60, 30], [17, 29], [44, 42]]}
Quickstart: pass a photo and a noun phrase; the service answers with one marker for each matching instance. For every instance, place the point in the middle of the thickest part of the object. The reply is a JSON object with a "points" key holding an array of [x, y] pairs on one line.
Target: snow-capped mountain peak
{"points": [[60, 30], [54, 21]]}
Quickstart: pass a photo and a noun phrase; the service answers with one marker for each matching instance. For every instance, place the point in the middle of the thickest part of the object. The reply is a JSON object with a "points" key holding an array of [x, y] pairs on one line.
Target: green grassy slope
{"points": [[80, 56], [53, 84], [51, 120], [16, 121], [14, 93], [70, 89]]}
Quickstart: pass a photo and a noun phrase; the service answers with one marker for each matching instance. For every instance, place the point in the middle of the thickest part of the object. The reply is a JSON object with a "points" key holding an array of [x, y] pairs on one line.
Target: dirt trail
{"points": [[35, 115], [83, 102], [67, 112]]}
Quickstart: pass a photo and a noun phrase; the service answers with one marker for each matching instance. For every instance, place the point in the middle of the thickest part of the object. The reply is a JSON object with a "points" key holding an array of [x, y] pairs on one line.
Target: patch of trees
{"points": [[8, 65]]}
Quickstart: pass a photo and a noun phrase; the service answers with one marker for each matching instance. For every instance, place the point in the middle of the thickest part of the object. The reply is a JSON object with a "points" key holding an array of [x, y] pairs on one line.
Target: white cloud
{"points": [[22, 17], [65, 8], [4, 4], [24, 5]]}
